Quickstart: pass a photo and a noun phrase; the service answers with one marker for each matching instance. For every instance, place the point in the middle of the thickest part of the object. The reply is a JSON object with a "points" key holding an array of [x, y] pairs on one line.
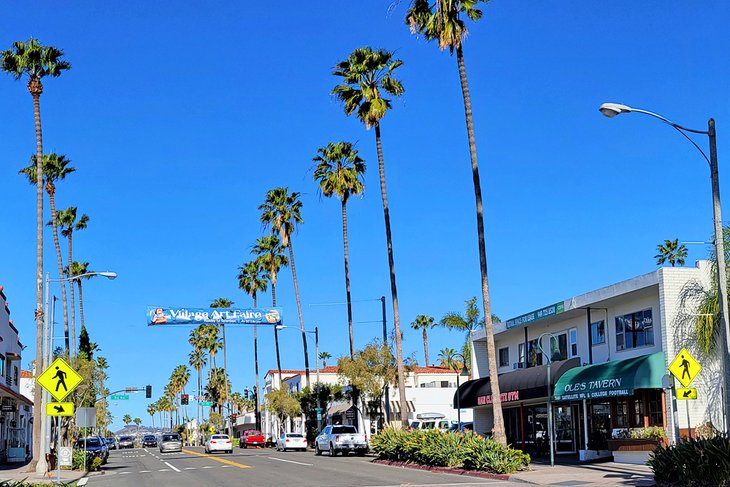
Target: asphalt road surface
{"points": [[264, 468]]}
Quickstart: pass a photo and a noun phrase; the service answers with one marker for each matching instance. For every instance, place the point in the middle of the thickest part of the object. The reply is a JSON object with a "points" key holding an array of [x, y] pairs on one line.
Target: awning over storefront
{"points": [[522, 384], [616, 378]]}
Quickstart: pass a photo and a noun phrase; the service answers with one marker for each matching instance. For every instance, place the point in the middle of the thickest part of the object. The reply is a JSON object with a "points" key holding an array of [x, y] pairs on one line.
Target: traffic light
{"points": [[148, 392], [233, 417], [184, 399]]}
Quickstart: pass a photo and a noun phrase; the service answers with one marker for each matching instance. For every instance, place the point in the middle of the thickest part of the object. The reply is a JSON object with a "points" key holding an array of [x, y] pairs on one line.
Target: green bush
{"points": [[447, 449], [693, 463], [77, 461]]}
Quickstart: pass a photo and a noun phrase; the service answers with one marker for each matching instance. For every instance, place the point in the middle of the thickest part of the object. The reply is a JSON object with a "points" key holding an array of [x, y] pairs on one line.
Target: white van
{"points": [[429, 421]]}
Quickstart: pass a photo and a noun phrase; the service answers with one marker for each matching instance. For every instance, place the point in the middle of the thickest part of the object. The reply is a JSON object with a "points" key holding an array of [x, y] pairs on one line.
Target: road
{"points": [[264, 468]]}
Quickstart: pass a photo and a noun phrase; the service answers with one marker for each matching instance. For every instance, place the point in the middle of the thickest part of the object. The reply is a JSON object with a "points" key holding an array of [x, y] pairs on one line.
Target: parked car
{"points": [[126, 442], [170, 442], [149, 441], [291, 441], [251, 438], [429, 421], [463, 428], [111, 442], [340, 439], [95, 445], [219, 443]]}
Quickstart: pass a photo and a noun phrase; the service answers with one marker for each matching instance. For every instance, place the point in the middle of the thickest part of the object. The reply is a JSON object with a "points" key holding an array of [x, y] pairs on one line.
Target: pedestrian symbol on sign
{"points": [[61, 376]]}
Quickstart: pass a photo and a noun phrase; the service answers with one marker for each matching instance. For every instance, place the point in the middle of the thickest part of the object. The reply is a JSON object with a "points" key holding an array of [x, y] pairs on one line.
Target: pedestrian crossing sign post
{"points": [[59, 379], [684, 367]]}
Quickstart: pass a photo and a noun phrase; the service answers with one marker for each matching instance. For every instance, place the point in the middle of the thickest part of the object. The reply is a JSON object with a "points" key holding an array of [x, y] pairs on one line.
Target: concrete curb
{"points": [[453, 471]]}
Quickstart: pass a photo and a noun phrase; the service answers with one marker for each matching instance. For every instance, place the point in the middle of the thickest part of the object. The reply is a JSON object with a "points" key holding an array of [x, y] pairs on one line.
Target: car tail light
{"points": [[287, 440], [337, 438], [228, 441]]}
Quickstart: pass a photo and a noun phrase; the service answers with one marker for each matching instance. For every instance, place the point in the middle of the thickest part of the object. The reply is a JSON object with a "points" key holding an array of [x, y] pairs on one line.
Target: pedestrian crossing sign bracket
{"points": [[59, 379], [685, 367]]}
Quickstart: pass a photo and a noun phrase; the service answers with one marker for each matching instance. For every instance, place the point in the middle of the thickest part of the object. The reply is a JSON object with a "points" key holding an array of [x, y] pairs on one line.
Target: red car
{"points": [[251, 438]]}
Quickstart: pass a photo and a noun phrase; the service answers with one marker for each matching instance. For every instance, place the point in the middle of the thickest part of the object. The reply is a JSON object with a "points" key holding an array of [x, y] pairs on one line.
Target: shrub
{"points": [[693, 463], [77, 461], [448, 449], [652, 432]]}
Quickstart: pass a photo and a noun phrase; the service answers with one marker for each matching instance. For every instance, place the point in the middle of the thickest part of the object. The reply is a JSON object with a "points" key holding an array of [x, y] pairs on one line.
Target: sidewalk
{"points": [[19, 471], [588, 474]]}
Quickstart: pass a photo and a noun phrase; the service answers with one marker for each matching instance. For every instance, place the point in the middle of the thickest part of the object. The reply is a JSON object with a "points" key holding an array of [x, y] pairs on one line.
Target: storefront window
{"points": [[634, 330], [573, 334], [504, 357], [559, 347], [637, 419], [598, 332], [533, 353], [622, 413], [655, 408]]}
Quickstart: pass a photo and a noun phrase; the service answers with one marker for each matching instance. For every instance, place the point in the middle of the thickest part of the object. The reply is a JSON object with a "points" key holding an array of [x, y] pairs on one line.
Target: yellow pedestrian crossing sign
{"points": [[60, 409], [59, 379], [686, 394], [684, 367]]}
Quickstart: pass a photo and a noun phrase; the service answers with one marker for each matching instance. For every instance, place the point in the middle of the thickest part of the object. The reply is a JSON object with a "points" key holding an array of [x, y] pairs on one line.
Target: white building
{"points": [[428, 389], [611, 350], [15, 409]]}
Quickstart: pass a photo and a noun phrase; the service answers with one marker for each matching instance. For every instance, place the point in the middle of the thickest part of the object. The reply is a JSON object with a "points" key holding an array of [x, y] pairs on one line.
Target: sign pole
{"points": [[58, 447], [689, 425]]}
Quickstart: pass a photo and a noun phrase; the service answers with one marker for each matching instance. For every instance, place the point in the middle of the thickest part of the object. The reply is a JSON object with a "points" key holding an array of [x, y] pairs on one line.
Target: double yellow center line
{"points": [[218, 459]]}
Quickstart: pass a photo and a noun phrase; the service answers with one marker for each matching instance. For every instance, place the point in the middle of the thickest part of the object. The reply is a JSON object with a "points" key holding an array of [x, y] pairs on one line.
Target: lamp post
{"points": [[463, 373], [47, 341], [315, 332], [549, 396], [611, 110]]}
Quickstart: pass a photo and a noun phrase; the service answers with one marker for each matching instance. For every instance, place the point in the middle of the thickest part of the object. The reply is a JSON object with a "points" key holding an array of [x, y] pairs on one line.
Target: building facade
{"points": [[15, 409], [602, 359]]}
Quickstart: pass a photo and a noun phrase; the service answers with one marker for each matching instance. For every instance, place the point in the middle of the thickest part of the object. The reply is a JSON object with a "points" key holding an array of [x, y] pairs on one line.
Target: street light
{"points": [[315, 332], [611, 110], [464, 373], [47, 344], [550, 395]]}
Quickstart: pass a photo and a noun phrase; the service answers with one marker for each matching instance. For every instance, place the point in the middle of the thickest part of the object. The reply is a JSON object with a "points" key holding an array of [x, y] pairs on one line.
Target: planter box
{"points": [[630, 444], [590, 455]]}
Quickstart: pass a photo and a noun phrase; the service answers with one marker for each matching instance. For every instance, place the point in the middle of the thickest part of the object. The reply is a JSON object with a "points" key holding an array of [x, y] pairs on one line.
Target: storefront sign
{"points": [[592, 389], [198, 316], [7, 408], [504, 396], [539, 314]]}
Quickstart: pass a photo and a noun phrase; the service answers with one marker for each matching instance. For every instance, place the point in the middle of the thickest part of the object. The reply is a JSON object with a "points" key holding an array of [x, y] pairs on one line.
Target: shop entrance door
{"points": [[565, 430], [600, 427]]}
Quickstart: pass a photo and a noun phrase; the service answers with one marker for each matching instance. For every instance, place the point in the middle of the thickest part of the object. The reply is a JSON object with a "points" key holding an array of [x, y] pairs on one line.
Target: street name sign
{"points": [[59, 379], [686, 394], [685, 367], [206, 403], [119, 397], [60, 409]]}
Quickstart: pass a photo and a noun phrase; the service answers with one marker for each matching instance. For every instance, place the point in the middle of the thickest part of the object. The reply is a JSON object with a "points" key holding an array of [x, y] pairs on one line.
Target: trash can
{"points": [[51, 461]]}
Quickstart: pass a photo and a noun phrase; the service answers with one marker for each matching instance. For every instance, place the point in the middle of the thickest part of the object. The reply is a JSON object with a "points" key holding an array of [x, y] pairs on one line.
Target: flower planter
{"points": [[635, 451]]}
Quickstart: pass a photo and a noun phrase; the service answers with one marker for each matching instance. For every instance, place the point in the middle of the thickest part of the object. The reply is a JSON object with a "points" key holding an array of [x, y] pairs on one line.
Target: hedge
{"points": [[436, 448], [693, 463]]}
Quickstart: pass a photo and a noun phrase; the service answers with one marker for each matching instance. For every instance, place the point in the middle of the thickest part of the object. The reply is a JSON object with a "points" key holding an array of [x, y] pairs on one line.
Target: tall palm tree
{"points": [[218, 387], [36, 61], [443, 21], [55, 168], [223, 303], [127, 419], [66, 220], [367, 75], [269, 253], [423, 322], [466, 322], [446, 357], [197, 361], [324, 357], [340, 172], [252, 279], [671, 251], [282, 211], [78, 269], [151, 410]]}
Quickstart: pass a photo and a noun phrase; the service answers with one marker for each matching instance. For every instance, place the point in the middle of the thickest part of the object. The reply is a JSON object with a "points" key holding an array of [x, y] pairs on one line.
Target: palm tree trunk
{"points": [[393, 287], [498, 430], [425, 346], [346, 247], [36, 88], [225, 374], [59, 260], [198, 407], [299, 310], [257, 419], [276, 331], [71, 286]]}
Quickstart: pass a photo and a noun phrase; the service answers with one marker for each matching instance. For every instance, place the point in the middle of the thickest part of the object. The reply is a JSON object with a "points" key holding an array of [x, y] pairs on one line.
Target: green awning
{"points": [[616, 378]]}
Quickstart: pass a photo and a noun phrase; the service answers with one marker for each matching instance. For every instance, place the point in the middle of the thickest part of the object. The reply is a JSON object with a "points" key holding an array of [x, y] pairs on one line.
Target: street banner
{"points": [[157, 316]]}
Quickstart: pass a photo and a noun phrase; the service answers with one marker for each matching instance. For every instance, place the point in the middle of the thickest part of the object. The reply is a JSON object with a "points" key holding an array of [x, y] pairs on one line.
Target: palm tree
{"points": [[468, 322], [270, 255], [78, 269], [66, 220], [367, 75], [151, 410], [671, 251], [324, 357], [252, 279], [423, 322], [340, 172], [55, 168], [442, 21], [36, 61], [446, 358], [197, 361], [127, 419], [218, 387], [223, 303], [282, 211]]}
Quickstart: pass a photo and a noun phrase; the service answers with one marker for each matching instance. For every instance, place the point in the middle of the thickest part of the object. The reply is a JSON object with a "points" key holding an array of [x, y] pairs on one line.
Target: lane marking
{"points": [[172, 467], [143, 471], [207, 466], [191, 468], [289, 461], [82, 482], [124, 473], [217, 459], [164, 470]]}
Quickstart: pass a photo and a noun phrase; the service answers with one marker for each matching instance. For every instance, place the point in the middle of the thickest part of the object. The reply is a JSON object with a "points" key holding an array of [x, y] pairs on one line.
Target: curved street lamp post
{"points": [[464, 373], [550, 394], [610, 110]]}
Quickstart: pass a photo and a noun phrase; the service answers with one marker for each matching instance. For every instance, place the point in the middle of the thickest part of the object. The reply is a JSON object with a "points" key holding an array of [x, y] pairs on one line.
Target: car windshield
{"points": [[343, 429], [170, 438], [126, 438], [219, 437], [294, 435], [90, 443], [254, 433], [149, 437]]}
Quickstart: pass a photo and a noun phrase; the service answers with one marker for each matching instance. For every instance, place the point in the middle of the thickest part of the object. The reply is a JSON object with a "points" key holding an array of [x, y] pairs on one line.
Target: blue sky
{"points": [[179, 116]]}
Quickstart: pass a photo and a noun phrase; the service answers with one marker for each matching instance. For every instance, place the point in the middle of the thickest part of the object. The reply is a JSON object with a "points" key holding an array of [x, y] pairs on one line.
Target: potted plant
{"points": [[634, 445]]}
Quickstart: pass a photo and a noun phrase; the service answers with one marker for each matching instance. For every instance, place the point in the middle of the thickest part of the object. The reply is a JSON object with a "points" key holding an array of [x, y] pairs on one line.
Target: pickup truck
{"points": [[251, 438], [340, 439]]}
